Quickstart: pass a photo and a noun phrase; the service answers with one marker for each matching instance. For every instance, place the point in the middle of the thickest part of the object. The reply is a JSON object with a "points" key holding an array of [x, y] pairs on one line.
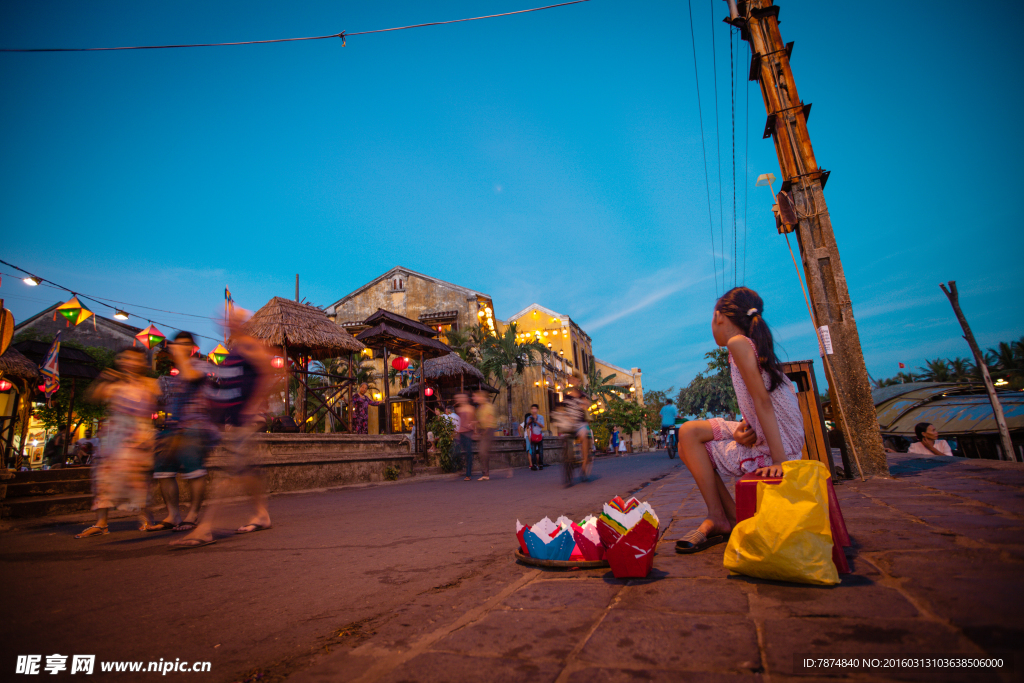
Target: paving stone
{"points": [[707, 563], [595, 675], [788, 641], [856, 596], [973, 589], [520, 633], [692, 596], [674, 641], [439, 667], [877, 536], [593, 594]]}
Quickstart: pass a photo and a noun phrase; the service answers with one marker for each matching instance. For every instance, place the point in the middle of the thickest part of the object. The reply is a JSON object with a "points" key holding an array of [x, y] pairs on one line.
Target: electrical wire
{"points": [[342, 34], [732, 91], [718, 141], [703, 147]]}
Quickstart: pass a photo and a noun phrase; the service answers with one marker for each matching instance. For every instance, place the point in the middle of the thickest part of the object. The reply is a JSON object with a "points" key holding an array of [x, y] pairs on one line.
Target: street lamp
{"points": [[120, 315], [31, 280]]}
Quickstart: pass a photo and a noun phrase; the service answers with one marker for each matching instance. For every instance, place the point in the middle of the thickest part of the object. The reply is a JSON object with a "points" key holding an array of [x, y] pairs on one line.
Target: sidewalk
{"points": [[937, 565]]}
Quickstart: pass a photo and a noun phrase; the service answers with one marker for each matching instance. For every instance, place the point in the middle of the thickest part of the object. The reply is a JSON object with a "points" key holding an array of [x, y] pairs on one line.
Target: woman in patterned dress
{"points": [[360, 409], [124, 473], [772, 430]]}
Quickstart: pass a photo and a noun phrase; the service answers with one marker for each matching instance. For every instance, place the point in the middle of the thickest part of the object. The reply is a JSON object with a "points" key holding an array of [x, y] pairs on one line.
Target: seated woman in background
{"points": [[928, 442]]}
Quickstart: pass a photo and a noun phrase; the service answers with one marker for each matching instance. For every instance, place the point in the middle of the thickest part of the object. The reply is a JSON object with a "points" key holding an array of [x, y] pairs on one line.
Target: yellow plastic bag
{"points": [[789, 538]]}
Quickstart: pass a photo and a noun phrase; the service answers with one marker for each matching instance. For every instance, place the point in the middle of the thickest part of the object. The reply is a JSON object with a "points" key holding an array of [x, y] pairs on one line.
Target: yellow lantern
{"points": [[218, 355], [74, 312]]}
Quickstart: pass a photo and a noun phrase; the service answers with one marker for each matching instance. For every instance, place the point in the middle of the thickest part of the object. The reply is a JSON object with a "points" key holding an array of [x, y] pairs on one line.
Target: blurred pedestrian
{"points": [[123, 475], [465, 426], [486, 421], [237, 398], [361, 409], [614, 440], [535, 437], [571, 418], [187, 434]]}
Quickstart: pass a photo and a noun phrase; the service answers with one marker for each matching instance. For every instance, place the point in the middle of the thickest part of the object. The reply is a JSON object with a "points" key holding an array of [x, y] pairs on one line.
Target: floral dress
{"points": [[360, 411], [729, 457], [123, 476]]}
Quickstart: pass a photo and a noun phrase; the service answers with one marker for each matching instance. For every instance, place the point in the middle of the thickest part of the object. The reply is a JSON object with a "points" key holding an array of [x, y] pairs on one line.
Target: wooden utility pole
{"points": [[997, 408], [804, 181]]}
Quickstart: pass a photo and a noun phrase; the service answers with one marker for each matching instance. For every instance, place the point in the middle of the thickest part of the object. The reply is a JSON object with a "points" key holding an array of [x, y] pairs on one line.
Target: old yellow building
{"points": [[429, 300]]}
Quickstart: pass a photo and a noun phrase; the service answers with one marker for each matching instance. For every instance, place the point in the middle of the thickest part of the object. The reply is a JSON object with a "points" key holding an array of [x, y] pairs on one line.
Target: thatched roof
{"points": [[413, 390], [305, 329], [449, 366], [14, 364]]}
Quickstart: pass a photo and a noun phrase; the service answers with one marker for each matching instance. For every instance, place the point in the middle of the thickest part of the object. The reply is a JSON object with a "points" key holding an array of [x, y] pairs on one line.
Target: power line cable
{"points": [[732, 91], [342, 34], [718, 141], [703, 147]]}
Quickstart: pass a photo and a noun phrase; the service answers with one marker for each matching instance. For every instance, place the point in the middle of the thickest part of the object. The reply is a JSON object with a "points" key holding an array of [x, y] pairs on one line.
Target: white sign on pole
{"points": [[826, 338]]}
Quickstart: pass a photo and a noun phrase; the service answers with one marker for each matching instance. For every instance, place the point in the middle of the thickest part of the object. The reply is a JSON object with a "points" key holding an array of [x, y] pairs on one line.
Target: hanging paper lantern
{"points": [[277, 362], [400, 363], [218, 355], [5, 385], [73, 311], [174, 372], [428, 391], [150, 337]]}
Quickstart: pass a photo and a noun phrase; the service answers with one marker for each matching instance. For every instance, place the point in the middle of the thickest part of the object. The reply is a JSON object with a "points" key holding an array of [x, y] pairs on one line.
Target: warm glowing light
{"points": [[277, 362], [218, 355], [5, 385], [632, 389], [1001, 382], [429, 391], [120, 315], [376, 396], [31, 281], [174, 372], [480, 313]]}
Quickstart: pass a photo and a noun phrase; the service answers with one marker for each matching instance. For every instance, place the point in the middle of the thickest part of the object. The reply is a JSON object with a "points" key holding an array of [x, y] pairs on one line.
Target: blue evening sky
{"points": [[551, 157]]}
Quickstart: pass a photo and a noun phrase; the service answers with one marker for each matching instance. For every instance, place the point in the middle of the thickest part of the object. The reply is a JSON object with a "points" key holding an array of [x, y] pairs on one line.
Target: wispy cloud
{"points": [[646, 292]]}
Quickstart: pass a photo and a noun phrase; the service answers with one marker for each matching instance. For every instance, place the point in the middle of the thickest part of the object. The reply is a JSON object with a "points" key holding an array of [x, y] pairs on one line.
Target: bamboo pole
{"points": [[979, 359]]}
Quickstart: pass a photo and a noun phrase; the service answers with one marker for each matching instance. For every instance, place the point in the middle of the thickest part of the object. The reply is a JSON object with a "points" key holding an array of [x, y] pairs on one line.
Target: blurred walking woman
{"points": [[123, 475]]}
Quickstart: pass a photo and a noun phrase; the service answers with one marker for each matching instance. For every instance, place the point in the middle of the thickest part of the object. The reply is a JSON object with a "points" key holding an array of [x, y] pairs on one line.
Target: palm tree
{"points": [[1007, 362], [505, 359], [961, 369], [462, 342], [598, 385], [935, 371]]}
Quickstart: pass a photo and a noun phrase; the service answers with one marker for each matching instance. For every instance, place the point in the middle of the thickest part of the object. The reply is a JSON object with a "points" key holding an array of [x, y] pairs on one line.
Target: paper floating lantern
{"points": [[150, 337], [5, 385], [400, 363], [218, 355], [629, 532], [74, 312]]}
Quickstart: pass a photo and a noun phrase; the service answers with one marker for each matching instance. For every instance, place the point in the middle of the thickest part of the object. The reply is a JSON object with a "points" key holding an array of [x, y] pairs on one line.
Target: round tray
{"points": [[560, 564]]}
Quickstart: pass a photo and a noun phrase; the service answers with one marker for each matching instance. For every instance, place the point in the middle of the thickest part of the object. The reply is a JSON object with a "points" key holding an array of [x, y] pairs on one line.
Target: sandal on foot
{"points": [[185, 526], [468, 479], [484, 478], [696, 541], [254, 527], [93, 531], [162, 526], [187, 543]]}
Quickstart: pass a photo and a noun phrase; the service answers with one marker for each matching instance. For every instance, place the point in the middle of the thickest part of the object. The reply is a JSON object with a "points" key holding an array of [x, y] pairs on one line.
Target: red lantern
{"points": [[5, 385], [277, 362], [429, 391], [174, 372], [400, 363], [42, 388]]}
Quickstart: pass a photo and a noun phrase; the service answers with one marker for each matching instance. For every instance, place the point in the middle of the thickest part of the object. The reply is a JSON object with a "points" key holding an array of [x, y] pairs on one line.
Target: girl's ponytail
{"points": [[744, 308]]}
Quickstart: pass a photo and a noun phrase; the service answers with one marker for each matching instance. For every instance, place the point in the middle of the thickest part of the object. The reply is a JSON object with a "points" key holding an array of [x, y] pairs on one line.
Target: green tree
{"points": [[598, 386], [710, 392], [55, 415], [937, 370], [654, 401], [505, 359]]}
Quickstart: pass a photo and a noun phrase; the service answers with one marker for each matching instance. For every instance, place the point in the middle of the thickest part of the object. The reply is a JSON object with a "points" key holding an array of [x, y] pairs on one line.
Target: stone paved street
{"points": [[937, 561]]}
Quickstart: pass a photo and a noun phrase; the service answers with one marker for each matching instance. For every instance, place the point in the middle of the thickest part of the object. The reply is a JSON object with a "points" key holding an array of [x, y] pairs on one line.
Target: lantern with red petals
{"points": [[150, 337], [400, 363]]}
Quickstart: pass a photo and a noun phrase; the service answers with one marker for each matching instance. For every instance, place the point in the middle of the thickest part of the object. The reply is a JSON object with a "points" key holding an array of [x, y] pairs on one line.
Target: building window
{"points": [[576, 354], [398, 284]]}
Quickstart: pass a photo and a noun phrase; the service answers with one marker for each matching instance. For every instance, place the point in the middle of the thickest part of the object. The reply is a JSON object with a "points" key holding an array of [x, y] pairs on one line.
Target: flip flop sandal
{"points": [[256, 527], [185, 526], [162, 526], [696, 541], [189, 543], [93, 531]]}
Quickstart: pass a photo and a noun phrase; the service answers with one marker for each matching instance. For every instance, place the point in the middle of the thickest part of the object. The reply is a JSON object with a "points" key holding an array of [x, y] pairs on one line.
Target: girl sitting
{"points": [[772, 430]]}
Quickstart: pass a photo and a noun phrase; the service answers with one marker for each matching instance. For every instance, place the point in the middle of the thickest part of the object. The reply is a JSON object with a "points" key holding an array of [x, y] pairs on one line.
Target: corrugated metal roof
{"points": [[952, 409]]}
